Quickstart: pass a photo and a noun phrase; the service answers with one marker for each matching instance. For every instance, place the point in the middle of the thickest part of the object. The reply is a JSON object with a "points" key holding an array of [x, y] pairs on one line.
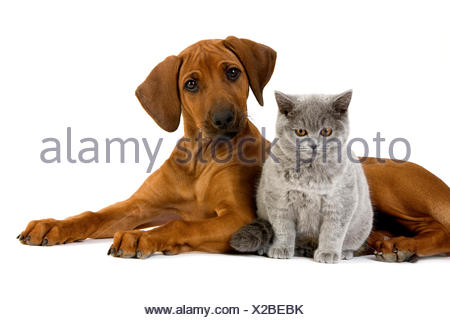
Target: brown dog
{"points": [[204, 192]]}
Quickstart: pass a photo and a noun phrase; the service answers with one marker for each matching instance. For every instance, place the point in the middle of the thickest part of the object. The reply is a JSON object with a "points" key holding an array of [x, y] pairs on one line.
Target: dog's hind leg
{"points": [[431, 240], [414, 198]]}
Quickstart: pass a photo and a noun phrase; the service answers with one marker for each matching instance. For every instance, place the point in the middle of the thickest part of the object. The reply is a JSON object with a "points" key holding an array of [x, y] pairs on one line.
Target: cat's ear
{"points": [[285, 102], [342, 101]]}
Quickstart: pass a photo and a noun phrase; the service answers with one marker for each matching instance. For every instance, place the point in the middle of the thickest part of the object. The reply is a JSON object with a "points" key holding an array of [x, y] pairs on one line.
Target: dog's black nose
{"points": [[223, 119]]}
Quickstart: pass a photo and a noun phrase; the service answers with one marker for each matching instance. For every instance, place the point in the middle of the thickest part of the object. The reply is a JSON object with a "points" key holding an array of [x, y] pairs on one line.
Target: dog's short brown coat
{"points": [[200, 203]]}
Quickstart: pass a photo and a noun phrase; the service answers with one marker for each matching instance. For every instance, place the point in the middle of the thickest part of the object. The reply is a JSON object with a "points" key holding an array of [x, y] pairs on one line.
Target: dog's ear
{"points": [[159, 96], [258, 60]]}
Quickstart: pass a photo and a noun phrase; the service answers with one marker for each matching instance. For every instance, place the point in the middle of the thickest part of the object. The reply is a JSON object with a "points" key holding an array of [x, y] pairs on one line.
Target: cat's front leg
{"points": [[330, 244], [283, 224], [332, 234]]}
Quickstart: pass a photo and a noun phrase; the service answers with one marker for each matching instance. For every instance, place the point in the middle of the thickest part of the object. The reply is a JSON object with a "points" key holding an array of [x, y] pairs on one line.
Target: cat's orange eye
{"points": [[301, 132], [326, 132]]}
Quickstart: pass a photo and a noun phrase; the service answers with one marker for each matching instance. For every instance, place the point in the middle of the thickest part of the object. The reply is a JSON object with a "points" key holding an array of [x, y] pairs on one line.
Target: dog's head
{"points": [[209, 82]]}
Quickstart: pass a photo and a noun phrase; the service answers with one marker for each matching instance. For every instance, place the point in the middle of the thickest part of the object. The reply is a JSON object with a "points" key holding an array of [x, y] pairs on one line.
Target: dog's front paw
{"points": [[327, 256], [280, 252], [48, 232], [142, 244], [134, 244]]}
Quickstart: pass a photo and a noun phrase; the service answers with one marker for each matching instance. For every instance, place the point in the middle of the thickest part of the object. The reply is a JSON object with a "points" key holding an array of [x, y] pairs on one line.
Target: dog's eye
{"points": [[191, 85], [233, 73], [301, 132], [326, 132]]}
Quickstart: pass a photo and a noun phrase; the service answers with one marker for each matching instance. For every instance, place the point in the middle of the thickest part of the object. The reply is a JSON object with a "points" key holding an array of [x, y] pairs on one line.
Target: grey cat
{"points": [[314, 201]]}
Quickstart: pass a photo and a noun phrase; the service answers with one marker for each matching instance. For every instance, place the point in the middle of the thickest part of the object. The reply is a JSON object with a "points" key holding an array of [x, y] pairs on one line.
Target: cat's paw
{"points": [[263, 251], [347, 254], [277, 252], [327, 256], [304, 252]]}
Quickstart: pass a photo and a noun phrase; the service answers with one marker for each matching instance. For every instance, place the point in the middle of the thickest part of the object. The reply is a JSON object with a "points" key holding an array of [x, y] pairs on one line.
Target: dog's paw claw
{"points": [[398, 249], [139, 244]]}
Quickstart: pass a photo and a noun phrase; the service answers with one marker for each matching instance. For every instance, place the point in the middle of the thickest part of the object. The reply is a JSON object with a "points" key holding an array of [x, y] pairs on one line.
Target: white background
{"points": [[78, 63]]}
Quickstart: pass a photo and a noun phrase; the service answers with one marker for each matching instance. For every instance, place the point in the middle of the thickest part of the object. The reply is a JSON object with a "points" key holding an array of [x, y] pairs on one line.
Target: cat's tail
{"points": [[253, 236]]}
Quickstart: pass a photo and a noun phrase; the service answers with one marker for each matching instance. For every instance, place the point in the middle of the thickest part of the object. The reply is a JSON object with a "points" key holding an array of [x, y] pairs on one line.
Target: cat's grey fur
{"points": [[318, 206], [253, 236]]}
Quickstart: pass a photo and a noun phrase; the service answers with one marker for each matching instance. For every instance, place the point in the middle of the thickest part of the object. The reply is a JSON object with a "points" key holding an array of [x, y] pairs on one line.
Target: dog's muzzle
{"points": [[225, 122]]}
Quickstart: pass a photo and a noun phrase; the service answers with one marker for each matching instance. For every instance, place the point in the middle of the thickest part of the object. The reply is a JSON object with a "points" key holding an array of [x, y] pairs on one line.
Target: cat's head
{"points": [[309, 122]]}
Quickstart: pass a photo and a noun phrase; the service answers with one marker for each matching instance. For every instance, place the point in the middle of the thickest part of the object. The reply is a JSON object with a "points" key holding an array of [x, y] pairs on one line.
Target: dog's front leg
{"points": [[207, 235], [231, 198], [141, 209]]}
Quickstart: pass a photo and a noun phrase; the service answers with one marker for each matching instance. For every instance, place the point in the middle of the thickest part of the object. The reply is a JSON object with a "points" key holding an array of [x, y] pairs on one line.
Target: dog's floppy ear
{"points": [[258, 60], [158, 94]]}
